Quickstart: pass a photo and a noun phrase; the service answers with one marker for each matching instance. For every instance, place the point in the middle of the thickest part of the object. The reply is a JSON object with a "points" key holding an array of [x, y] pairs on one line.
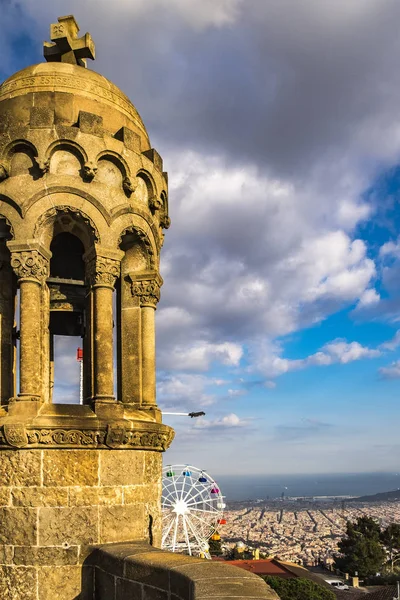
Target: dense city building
{"points": [[304, 534]]}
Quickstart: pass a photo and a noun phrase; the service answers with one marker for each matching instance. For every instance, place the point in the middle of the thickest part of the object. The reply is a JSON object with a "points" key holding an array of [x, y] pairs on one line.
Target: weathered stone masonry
{"points": [[83, 205]]}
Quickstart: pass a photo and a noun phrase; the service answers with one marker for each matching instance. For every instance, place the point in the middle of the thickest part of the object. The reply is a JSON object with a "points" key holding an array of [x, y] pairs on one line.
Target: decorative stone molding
{"points": [[19, 436], [165, 222], [129, 185], [103, 268], [76, 216], [15, 435], [119, 437], [143, 237], [95, 87], [89, 171], [155, 203], [146, 287], [30, 264], [3, 173], [66, 437], [43, 165]]}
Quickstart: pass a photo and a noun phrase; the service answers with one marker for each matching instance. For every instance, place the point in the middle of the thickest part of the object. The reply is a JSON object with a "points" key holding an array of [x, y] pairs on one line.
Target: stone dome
{"points": [[68, 89]]}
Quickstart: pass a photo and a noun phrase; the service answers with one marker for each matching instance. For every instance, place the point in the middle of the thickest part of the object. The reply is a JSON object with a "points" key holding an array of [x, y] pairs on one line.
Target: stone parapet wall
{"points": [[138, 571], [56, 504]]}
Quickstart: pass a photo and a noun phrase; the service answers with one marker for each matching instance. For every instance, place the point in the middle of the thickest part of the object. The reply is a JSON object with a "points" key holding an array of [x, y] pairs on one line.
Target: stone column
{"points": [[146, 287], [102, 270], [88, 391], [7, 303], [31, 265], [130, 354], [51, 367], [47, 363]]}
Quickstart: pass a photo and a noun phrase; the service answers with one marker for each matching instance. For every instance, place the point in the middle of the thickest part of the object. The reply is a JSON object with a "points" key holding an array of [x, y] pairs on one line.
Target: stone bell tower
{"points": [[83, 205]]}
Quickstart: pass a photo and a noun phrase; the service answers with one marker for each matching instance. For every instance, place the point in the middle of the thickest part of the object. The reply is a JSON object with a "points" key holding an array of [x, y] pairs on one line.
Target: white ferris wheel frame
{"points": [[190, 513]]}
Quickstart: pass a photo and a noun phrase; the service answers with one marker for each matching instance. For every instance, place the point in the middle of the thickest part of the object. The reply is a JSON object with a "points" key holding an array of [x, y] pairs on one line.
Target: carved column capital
{"points": [[103, 269], [29, 261], [146, 287]]}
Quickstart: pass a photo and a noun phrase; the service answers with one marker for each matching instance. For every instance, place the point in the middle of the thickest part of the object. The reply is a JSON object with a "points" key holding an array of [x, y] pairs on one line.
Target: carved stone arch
{"points": [[73, 149], [128, 185], [11, 150], [152, 199], [67, 219], [68, 145], [14, 146], [126, 209], [68, 190], [134, 235], [10, 202], [149, 181], [117, 159]]}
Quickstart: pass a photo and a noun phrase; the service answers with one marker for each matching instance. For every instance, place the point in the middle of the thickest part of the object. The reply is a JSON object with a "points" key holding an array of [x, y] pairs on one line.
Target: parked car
{"points": [[337, 584]]}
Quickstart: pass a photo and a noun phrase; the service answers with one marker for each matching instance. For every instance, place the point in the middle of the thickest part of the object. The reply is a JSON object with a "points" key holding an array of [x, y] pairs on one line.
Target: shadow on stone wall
{"points": [[136, 570]]}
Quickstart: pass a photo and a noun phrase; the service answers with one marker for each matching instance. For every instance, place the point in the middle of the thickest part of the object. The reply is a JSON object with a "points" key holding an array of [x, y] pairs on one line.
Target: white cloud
{"points": [[390, 249], [331, 266], [228, 421], [343, 352], [268, 361], [393, 343], [200, 356], [184, 391], [391, 372], [231, 273], [350, 213], [368, 298]]}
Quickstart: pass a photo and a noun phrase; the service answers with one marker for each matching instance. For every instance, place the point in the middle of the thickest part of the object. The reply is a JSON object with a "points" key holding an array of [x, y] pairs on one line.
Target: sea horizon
{"points": [[263, 487]]}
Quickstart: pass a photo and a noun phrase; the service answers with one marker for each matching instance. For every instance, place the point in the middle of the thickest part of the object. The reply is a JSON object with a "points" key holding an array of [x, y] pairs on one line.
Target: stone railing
{"points": [[137, 571]]}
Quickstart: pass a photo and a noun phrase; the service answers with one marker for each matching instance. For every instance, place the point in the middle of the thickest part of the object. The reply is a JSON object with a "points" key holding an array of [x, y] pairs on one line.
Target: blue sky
{"points": [[279, 126]]}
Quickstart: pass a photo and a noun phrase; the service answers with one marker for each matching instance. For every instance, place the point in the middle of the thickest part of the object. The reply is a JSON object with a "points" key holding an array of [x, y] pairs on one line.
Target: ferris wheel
{"points": [[192, 509]]}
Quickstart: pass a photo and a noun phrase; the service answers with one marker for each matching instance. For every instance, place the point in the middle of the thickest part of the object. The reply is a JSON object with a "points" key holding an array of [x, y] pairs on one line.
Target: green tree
{"points": [[390, 538], [215, 547], [361, 549], [299, 589]]}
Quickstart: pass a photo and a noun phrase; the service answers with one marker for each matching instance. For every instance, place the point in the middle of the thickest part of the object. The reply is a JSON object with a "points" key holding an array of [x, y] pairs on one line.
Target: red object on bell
{"points": [[79, 354]]}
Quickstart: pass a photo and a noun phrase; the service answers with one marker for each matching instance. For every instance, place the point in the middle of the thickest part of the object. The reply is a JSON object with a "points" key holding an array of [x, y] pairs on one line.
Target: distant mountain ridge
{"points": [[381, 497]]}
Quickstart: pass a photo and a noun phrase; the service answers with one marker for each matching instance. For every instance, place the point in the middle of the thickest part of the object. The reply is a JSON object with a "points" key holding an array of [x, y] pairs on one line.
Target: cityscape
{"points": [[306, 533]]}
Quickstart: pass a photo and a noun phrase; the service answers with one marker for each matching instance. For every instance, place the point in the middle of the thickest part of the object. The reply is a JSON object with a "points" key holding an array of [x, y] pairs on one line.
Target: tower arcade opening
{"points": [[68, 292]]}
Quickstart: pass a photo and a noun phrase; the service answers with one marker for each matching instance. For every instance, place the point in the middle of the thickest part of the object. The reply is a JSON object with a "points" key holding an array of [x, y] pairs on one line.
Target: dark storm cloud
{"points": [[282, 86]]}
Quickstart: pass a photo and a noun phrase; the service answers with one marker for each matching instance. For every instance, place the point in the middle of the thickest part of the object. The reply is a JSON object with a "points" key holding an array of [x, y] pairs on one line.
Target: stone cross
{"points": [[65, 46]]}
